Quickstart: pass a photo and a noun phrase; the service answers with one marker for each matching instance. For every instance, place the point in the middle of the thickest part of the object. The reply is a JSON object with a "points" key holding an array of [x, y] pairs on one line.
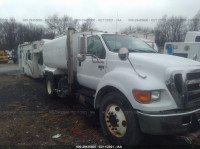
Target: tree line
{"points": [[13, 33], [169, 29]]}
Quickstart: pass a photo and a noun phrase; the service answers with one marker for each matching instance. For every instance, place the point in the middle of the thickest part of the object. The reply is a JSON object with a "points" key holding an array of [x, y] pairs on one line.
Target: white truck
{"points": [[135, 89], [190, 48]]}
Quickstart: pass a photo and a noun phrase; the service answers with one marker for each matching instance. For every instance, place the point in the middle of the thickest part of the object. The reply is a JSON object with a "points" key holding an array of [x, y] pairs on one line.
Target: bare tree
{"points": [[88, 24], [171, 29], [58, 25], [194, 25], [9, 32], [129, 29], [137, 29], [12, 33]]}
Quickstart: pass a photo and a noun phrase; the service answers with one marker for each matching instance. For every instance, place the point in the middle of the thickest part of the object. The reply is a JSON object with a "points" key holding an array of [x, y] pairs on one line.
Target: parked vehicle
{"points": [[30, 58], [3, 57], [190, 48], [15, 54], [135, 89]]}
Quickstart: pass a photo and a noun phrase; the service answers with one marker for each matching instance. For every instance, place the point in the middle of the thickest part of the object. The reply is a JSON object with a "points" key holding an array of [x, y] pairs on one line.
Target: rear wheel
{"points": [[49, 83], [118, 120]]}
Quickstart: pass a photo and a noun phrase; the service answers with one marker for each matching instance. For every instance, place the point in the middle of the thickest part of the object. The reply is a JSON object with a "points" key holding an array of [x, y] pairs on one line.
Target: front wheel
{"points": [[118, 120]]}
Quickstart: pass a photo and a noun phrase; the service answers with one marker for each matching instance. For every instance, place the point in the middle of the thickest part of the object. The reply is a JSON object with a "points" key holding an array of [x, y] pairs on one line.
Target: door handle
{"points": [[100, 67]]}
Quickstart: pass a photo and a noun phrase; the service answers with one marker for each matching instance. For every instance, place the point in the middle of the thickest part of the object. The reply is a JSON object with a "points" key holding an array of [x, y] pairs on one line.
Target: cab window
{"points": [[197, 39], [95, 47]]}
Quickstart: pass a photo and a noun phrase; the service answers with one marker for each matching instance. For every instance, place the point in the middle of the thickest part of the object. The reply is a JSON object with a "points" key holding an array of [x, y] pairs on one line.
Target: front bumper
{"points": [[166, 124]]}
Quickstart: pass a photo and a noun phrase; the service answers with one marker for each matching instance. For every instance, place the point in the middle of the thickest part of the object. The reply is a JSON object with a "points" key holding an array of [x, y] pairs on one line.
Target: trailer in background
{"points": [[190, 48], [30, 58]]}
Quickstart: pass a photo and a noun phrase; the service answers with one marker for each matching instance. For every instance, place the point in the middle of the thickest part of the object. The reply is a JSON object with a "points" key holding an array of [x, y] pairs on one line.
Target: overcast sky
{"points": [[130, 12]]}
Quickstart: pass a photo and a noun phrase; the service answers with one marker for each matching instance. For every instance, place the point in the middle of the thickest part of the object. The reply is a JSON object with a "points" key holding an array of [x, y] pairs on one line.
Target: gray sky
{"points": [[100, 9]]}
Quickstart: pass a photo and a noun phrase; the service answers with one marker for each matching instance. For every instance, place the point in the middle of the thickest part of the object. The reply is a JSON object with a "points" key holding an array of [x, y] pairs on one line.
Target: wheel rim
{"points": [[115, 120], [49, 87]]}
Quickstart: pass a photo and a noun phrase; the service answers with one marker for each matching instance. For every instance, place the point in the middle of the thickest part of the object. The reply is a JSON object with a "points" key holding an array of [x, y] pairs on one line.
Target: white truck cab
{"points": [[135, 89]]}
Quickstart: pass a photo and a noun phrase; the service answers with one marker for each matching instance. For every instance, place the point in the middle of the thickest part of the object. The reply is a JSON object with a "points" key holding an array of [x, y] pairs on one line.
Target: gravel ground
{"points": [[28, 117]]}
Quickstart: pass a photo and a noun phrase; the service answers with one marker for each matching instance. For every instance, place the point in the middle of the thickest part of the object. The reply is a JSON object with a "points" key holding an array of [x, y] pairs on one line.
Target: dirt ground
{"points": [[28, 117]]}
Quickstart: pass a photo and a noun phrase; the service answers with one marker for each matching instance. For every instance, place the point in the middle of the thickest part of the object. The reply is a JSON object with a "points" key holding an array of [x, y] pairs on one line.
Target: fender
{"points": [[54, 71], [126, 80]]}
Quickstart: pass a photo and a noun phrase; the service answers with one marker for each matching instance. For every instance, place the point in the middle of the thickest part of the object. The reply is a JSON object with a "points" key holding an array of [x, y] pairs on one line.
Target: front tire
{"points": [[118, 120]]}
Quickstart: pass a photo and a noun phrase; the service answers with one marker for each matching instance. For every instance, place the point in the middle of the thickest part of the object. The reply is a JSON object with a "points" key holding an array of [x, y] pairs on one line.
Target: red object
{"points": [[167, 47], [94, 131], [86, 138]]}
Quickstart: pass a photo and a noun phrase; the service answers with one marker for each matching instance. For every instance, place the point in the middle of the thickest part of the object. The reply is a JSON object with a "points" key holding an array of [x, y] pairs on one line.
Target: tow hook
{"points": [[191, 138]]}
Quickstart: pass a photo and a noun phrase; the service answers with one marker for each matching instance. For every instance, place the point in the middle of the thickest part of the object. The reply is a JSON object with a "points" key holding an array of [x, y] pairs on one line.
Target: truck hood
{"points": [[159, 63], [163, 60]]}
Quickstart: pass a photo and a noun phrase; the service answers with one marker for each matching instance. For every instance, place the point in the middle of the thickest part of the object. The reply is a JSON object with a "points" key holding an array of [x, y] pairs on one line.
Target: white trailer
{"points": [[190, 48], [31, 59]]}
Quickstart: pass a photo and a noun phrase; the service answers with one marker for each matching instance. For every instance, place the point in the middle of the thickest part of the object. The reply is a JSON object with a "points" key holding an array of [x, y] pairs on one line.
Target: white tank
{"points": [[55, 52]]}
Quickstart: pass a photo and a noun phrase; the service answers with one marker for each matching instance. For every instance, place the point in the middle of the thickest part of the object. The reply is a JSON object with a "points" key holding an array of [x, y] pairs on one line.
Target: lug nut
{"points": [[117, 108], [123, 123]]}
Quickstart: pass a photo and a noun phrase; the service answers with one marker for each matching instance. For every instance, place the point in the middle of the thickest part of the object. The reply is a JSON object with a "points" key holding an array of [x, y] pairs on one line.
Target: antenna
{"points": [[116, 30], [116, 22]]}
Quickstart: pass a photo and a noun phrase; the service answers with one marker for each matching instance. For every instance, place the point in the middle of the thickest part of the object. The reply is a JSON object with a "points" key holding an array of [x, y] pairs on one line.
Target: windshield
{"points": [[115, 42]]}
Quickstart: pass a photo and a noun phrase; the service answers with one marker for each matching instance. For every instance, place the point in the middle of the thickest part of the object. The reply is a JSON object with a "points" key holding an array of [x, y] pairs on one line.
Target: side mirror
{"points": [[83, 44], [123, 53], [81, 57]]}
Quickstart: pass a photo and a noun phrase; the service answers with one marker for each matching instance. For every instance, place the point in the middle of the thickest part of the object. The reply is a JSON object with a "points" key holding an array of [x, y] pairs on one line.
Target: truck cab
{"points": [[135, 89]]}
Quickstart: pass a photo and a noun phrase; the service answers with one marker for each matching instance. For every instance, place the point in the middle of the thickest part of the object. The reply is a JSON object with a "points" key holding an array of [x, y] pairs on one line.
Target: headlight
{"points": [[155, 95], [146, 96]]}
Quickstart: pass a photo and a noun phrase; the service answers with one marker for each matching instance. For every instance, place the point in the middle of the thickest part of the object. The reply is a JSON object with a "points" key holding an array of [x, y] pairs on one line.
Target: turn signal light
{"points": [[142, 96]]}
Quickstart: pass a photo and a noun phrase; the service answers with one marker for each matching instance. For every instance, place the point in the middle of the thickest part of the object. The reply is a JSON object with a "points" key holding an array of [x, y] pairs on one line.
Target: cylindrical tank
{"points": [[54, 53]]}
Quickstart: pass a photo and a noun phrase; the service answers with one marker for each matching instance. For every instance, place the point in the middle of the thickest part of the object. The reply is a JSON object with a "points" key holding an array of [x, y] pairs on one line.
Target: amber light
{"points": [[142, 96]]}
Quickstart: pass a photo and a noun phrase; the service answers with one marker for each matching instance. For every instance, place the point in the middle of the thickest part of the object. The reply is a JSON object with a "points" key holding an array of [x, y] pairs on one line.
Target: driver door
{"points": [[92, 69]]}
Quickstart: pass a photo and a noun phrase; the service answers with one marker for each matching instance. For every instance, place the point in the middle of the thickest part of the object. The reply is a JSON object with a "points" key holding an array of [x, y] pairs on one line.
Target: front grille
{"points": [[193, 87], [188, 88], [194, 75], [194, 97]]}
